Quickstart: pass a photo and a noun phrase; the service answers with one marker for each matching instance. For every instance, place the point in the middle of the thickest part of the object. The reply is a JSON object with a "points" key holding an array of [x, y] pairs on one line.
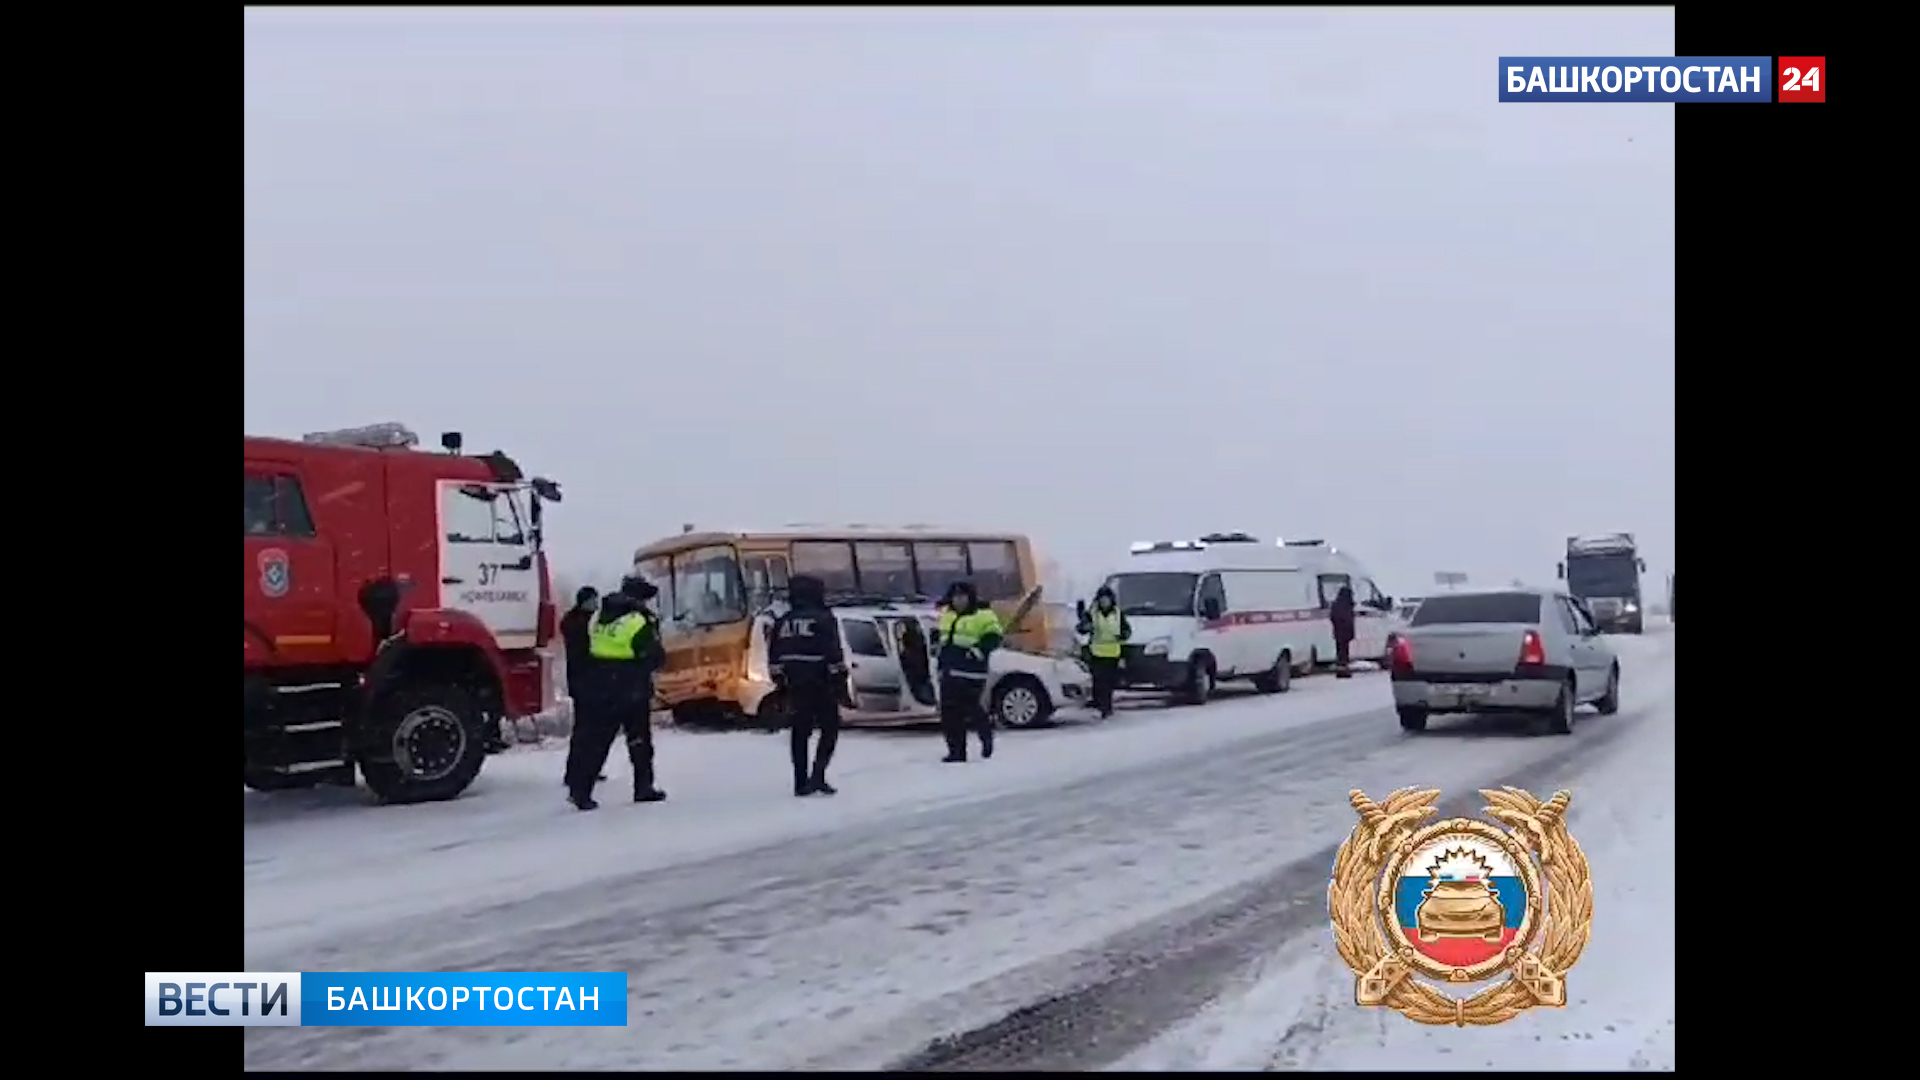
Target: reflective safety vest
{"points": [[965, 631], [1105, 643], [614, 640]]}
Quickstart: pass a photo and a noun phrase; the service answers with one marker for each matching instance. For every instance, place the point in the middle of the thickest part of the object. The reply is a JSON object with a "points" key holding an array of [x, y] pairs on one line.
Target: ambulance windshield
{"points": [[1154, 593]]}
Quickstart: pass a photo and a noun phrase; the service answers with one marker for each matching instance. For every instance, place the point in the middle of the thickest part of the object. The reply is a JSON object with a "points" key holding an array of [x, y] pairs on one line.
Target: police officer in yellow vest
{"points": [[1107, 631], [966, 636], [623, 652]]}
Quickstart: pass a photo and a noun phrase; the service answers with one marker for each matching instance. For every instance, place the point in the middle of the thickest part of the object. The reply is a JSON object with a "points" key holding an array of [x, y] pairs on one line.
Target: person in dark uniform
{"points": [[574, 626], [967, 635], [808, 665], [1107, 631], [623, 645], [1341, 614]]}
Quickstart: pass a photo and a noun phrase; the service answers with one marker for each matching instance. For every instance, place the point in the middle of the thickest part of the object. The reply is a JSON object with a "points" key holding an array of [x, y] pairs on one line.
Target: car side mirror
{"points": [[1209, 608], [1560, 571]]}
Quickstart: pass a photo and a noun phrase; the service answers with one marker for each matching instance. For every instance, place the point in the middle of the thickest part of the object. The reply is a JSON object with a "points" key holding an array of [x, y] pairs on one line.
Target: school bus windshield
{"points": [[698, 588]]}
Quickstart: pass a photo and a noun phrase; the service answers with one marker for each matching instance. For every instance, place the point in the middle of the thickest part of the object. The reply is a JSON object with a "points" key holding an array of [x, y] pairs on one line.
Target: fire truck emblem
{"points": [[275, 574]]}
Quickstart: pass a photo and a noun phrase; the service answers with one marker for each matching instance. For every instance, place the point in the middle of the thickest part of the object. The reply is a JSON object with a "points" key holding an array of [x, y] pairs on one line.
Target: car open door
{"points": [[910, 638], [871, 666]]}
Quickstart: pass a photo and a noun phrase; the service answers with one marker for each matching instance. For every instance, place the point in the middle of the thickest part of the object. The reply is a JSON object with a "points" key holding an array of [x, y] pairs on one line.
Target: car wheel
{"points": [[772, 713], [1200, 681], [1279, 680], [1021, 702], [1560, 721], [1609, 702], [1412, 719]]}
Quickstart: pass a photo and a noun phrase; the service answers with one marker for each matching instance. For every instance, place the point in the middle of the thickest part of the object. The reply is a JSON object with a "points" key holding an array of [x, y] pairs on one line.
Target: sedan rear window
{"points": [[1499, 607]]}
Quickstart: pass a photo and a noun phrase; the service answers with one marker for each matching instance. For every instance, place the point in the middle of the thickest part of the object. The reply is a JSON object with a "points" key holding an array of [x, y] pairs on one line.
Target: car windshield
{"points": [[1467, 608], [1153, 594], [1603, 575]]}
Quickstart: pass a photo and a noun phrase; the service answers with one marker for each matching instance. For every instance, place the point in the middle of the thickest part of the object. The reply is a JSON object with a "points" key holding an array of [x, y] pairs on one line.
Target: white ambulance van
{"points": [[1228, 606]]}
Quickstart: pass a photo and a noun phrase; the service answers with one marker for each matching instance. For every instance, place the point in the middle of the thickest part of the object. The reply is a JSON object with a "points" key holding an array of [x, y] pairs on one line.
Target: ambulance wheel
{"points": [[1200, 680], [424, 742], [1279, 680]]}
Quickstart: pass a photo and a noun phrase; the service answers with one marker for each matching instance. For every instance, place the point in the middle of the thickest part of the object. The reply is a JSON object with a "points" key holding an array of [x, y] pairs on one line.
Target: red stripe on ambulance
{"points": [[1262, 618]]}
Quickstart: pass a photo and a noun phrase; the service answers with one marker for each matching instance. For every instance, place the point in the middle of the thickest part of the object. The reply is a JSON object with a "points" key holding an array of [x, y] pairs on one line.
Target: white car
{"points": [[1398, 620], [1023, 690]]}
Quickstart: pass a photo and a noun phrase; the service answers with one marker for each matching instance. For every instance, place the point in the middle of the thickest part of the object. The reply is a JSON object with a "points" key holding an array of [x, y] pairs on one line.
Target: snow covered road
{"points": [[1146, 893]]}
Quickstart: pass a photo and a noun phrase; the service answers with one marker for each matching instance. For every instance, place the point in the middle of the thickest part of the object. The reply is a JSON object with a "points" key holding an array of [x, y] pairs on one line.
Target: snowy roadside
{"points": [[1091, 865], [1299, 1012], [511, 837]]}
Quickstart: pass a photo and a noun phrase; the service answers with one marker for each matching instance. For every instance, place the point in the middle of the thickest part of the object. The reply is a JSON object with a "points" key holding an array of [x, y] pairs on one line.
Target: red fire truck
{"points": [[397, 608]]}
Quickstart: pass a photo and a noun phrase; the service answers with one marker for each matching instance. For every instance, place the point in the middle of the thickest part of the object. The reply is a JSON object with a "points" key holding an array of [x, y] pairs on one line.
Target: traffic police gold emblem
{"points": [[1419, 909]]}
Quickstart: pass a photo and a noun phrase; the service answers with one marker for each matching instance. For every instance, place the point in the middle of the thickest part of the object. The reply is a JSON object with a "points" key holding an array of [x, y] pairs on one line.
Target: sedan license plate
{"points": [[1468, 693]]}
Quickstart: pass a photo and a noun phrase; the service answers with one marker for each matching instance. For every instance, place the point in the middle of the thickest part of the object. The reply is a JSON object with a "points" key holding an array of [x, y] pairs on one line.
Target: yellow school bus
{"points": [[714, 584]]}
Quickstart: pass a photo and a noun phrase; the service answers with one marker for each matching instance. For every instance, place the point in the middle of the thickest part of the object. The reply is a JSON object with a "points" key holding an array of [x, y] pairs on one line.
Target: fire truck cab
{"points": [[397, 608]]}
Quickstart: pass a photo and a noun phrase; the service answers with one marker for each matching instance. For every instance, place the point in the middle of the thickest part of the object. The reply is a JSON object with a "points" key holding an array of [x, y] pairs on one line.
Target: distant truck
{"points": [[397, 608], [1604, 572]]}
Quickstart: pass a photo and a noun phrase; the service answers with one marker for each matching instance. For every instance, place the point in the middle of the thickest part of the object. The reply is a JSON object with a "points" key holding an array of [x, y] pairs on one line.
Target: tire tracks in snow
{"points": [[643, 923], [1162, 974], [712, 947]]}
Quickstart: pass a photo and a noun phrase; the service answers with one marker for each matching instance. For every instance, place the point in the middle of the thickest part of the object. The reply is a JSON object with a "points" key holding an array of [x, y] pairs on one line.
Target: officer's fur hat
{"points": [[638, 588], [806, 590]]}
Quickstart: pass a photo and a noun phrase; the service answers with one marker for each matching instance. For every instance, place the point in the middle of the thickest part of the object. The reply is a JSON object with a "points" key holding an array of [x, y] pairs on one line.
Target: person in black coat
{"points": [[1342, 615], [573, 634], [809, 666], [624, 650]]}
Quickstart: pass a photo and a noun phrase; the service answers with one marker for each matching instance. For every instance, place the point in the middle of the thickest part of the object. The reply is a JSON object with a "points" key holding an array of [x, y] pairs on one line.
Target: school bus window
{"points": [[996, 570], [885, 568], [657, 572], [766, 578], [707, 590], [829, 560], [940, 565]]}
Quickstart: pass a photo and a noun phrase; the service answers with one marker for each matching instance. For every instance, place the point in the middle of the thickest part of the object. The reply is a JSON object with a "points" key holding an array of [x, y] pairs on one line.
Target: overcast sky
{"points": [[1096, 276]]}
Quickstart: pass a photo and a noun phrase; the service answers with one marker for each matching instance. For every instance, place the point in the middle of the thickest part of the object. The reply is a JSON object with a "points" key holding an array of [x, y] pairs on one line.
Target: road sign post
{"points": [[1450, 579]]}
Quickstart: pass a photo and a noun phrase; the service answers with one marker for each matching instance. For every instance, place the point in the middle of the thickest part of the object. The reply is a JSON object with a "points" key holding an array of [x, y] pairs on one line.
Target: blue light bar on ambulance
{"points": [[1302, 543]]}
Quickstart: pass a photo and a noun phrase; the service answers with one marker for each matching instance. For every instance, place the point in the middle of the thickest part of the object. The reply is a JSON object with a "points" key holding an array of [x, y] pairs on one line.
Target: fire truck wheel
{"points": [[425, 743]]}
